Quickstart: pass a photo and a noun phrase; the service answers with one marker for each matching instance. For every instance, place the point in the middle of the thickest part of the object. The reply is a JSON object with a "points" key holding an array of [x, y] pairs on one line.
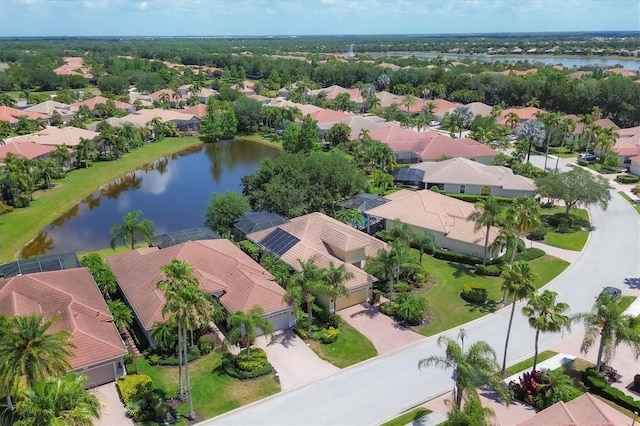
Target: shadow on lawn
{"points": [[461, 270], [486, 308]]}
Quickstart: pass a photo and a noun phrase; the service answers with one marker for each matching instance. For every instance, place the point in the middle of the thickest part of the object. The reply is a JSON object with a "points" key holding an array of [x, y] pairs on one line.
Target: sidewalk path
{"points": [[569, 255]]}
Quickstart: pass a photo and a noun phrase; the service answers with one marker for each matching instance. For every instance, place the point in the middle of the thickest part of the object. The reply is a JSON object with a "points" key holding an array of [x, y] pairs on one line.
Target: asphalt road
{"points": [[381, 388]]}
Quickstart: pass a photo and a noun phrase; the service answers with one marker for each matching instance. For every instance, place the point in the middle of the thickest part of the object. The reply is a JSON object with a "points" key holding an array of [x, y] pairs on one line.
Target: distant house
{"points": [[306, 109], [184, 121], [325, 240], [199, 110], [445, 217], [463, 176], [72, 296], [54, 136], [47, 108], [627, 147], [13, 115], [579, 130], [222, 270], [91, 103], [262, 99], [29, 150], [524, 114]]}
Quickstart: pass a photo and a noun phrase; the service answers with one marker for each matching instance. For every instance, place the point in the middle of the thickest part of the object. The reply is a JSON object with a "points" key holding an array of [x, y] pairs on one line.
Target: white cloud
{"points": [[143, 5]]}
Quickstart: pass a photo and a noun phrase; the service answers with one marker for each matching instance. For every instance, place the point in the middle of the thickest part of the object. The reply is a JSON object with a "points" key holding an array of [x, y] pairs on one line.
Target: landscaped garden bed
{"points": [[562, 231]]}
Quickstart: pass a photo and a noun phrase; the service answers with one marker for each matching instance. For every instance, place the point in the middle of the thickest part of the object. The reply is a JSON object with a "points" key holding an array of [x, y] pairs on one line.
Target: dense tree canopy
{"points": [[296, 184], [224, 209], [575, 187]]}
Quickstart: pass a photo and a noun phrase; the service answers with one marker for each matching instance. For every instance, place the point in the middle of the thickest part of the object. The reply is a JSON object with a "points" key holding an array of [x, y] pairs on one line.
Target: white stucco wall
{"points": [[477, 190]]}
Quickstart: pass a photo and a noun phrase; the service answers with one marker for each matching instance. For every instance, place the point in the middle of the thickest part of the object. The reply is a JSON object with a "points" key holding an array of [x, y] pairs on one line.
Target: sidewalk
{"points": [[552, 363], [569, 255]]}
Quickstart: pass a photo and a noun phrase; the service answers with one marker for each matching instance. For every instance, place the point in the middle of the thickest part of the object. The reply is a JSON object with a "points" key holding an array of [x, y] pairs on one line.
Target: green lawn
{"points": [[528, 363], [573, 240], [350, 348], [214, 392], [635, 205], [408, 417], [20, 226], [90, 89], [268, 139], [562, 152], [445, 303], [626, 301]]}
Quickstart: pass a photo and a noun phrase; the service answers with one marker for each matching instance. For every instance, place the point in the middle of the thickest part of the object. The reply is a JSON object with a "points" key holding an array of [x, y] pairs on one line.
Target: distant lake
{"points": [[567, 62], [172, 191]]}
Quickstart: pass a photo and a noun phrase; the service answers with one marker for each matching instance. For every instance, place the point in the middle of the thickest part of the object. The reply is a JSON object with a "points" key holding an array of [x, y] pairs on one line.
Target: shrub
{"points": [[489, 270], [207, 343], [453, 256], [530, 254], [252, 250], [541, 389], [154, 359], [538, 234], [131, 384], [474, 293], [411, 309], [329, 335], [375, 296], [401, 287], [599, 386], [329, 318], [257, 359], [636, 189], [230, 368], [627, 179], [388, 308], [128, 359], [5, 208], [583, 163]]}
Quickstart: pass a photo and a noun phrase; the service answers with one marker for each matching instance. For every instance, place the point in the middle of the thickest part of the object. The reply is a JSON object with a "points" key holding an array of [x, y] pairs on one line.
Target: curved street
{"points": [[381, 388]]}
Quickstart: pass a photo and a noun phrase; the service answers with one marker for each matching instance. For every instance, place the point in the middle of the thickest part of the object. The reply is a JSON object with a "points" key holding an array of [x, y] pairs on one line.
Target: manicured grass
{"points": [[214, 392], [450, 310], [626, 301], [528, 363], [408, 417], [350, 348], [635, 205], [20, 226], [268, 139], [562, 152], [18, 94], [573, 240]]}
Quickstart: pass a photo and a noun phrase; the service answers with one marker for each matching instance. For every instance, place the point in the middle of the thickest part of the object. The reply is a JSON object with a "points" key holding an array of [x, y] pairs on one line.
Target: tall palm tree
{"points": [[85, 151], [58, 401], [605, 139], [335, 278], [164, 335], [47, 169], [121, 314], [512, 120], [425, 242], [545, 315], [30, 351], [551, 121], [473, 368], [608, 320], [246, 324], [409, 101], [518, 284], [132, 226], [488, 213], [522, 216]]}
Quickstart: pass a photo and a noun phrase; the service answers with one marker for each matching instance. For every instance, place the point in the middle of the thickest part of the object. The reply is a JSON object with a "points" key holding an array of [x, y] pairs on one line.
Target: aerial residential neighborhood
{"points": [[205, 228]]}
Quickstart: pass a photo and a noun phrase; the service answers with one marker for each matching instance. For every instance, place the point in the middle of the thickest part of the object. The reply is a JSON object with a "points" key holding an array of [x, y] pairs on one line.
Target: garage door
{"points": [[358, 296], [281, 321], [99, 375]]}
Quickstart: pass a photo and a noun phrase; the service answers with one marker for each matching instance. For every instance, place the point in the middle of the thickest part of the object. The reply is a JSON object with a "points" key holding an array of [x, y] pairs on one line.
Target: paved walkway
{"points": [[297, 365], [569, 255], [385, 333], [113, 412], [552, 363]]}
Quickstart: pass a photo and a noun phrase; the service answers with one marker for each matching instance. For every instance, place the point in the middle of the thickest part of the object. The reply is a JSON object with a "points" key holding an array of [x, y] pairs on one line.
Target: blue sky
{"points": [[309, 17]]}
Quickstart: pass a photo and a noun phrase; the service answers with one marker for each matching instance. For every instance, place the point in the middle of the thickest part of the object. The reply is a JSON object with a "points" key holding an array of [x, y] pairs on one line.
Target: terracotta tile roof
{"points": [[199, 110], [429, 210], [603, 122], [387, 99], [443, 105], [158, 93], [628, 142], [73, 296], [69, 136], [11, 115], [48, 107], [221, 268], [319, 235], [142, 117], [306, 109], [431, 149], [467, 172], [580, 74], [527, 113], [25, 149], [585, 410], [519, 73], [392, 133], [92, 102], [329, 115]]}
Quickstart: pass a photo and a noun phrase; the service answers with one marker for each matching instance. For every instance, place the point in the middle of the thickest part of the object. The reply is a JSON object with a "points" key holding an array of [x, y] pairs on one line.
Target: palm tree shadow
{"points": [[486, 308], [461, 270], [370, 311], [285, 339]]}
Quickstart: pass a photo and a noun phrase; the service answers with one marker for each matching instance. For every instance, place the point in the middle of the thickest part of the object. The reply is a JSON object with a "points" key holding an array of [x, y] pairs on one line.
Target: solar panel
{"points": [[51, 262], [279, 242]]}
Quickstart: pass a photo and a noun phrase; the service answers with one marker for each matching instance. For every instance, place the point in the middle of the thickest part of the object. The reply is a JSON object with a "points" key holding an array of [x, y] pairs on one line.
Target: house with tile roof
{"points": [[579, 130], [73, 297], [445, 217], [47, 108], [325, 240], [463, 176], [13, 115], [627, 148], [53, 136], [186, 122], [29, 150], [199, 110], [222, 270], [74, 65], [328, 115], [525, 114], [96, 100]]}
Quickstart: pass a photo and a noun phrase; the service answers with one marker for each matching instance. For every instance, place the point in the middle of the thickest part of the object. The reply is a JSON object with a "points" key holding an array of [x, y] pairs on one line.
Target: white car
{"points": [[434, 123]]}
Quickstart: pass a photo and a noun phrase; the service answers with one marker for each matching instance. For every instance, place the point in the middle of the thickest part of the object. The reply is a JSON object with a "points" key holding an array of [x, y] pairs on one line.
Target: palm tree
{"points": [[350, 216], [30, 351], [464, 118], [58, 401], [522, 216], [551, 121], [488, 213], [512, 120], [473, 368], [121, 314], [473, 413], [245, 325], [47, 169], [303, 285], [533, 132], [132, 226], [164, 335], [381, 180], [518, 284], [409, 101], [85, 151], [605, 139], [429, 107], [608, 320], [425, 242], [61, 155], [157, 127], [165, 100], [545, 316], [335, 278]]}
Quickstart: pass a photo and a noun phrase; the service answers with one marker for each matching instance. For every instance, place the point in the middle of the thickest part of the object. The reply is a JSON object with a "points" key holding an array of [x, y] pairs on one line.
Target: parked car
{"points": [[613, 291], [433, 123], [587, 156]]}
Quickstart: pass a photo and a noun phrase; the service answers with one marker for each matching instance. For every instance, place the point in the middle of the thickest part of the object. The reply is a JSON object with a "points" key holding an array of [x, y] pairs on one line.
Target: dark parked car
{"points": [[613, 291], [587, 156]]}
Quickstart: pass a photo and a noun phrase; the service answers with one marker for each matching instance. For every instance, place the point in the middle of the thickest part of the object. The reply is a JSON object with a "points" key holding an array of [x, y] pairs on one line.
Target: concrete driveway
{"points": [[385, 333], [113, 412], [296, 364]]}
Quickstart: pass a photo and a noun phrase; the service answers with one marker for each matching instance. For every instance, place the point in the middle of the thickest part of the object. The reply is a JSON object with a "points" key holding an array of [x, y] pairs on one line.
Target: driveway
{"points": [[385, 334], [388, 385], [296, 364], [113, 412]]}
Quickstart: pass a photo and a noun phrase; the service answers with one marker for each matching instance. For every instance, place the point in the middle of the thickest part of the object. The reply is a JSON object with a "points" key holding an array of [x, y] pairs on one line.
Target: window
{"points": [[486, 190], [463, 189]]}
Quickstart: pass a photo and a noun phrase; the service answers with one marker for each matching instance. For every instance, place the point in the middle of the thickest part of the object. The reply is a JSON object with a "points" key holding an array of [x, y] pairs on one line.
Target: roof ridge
{"points": [[596, 403], [569, 414]]}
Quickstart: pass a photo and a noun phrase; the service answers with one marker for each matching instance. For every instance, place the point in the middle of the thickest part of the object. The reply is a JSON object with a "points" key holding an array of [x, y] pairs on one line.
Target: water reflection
{"points": [[172, 191]]}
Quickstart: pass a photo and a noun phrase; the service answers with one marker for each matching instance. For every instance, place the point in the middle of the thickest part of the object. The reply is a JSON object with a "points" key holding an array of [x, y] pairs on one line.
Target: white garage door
{"points": [[353, 298], [99, 375], [281, 321]]}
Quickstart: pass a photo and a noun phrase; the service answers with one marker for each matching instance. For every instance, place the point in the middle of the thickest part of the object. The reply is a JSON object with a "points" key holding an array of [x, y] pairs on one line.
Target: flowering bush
{"points": [[543, 389]]}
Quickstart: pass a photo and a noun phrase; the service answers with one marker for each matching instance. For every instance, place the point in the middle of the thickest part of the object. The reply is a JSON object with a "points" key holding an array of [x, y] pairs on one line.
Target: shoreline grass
{"points": [[270, 140], [19, 227]]}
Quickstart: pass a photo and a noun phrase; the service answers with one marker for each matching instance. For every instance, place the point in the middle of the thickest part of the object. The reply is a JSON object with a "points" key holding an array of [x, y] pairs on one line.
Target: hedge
{"points": [[627, 179], [489, 270], [474, 293], [229, 367], [471, 198], [193, 354], [131, 384], [600, 387]]}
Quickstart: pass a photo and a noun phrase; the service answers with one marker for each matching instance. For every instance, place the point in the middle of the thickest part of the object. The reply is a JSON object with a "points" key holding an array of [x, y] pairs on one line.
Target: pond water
{"points": [[567, 62], [172, 191]]}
